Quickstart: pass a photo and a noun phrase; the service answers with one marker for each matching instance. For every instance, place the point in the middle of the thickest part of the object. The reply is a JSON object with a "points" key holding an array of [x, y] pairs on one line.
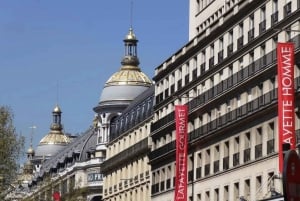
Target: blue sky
{"points": [[65, 50]]}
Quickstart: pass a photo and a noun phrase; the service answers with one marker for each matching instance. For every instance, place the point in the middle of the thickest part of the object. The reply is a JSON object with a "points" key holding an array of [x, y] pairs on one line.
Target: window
{"points": [[271, 141], [251, 27], [247, 188], [240, 40], [275, 6], [216, 194], [221, 44], [198, 197], [251, 21], [251, 57], [262, 24], [288, 34], [230, 43], [258, 183], [236, 190], [241, 29], [274, 16], [207, 197], [198, 8], [211, 59], [247, 150], [249, 92], [263, 14], [236, 155], [230, 37], [226, 156], [226, 193], [207, 162], [238, 100], [263, 52], [199, 165], [287, 9], [240, 63], [216, 158]]}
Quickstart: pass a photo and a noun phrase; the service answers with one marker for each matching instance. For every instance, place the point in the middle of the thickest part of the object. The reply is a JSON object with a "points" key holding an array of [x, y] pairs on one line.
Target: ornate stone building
{"points": [[126, 170], [227, 75], [71, 166]]}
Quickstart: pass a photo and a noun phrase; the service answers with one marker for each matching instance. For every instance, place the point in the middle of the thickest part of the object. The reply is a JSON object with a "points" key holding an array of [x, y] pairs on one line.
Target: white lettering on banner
{"points": [[287, 84], [181, 153], [286, 116]]}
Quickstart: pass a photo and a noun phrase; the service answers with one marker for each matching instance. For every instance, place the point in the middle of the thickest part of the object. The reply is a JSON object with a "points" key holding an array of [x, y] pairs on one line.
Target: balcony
{"points": [[127, 154], [162, 150]]}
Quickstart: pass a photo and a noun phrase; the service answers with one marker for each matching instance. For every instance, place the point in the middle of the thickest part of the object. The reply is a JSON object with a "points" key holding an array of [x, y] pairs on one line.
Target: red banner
{"points": [[181, 116], [56, 196], [286, 118]]}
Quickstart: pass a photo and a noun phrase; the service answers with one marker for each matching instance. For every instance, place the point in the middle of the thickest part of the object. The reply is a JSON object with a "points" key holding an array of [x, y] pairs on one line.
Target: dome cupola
{"points": [[127, 83], [55, 140]]}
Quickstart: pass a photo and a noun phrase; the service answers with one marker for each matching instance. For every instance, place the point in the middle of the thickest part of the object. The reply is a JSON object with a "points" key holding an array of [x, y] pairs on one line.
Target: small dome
{"points": [[130, 35], [127, 83], [129, 75], [55, 140], [30, 151], [57, 109]]}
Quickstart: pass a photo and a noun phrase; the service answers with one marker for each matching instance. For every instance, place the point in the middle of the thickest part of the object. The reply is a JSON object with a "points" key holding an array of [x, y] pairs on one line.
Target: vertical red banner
{"points": [[286, 114], [56, 196], [181, 117]]}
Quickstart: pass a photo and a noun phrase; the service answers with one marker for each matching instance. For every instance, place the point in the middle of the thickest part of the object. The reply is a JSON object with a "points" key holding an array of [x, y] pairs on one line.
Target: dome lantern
{"points": [[127, 83], [55, 140]]}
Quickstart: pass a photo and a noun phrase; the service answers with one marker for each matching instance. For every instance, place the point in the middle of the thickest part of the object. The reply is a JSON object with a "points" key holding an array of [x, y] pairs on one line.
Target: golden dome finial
{"points": [[57, 109], [130, 35]]}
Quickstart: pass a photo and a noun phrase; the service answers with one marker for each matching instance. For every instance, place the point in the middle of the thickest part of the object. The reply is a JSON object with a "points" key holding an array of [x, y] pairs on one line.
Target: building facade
{"points": [[71, 167], [64, 164], [227, 75], [126, 171]]}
